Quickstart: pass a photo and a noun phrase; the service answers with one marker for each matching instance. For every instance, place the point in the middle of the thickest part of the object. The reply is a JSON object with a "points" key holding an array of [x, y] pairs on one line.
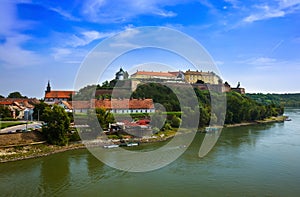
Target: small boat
{"points": [[111, 146], [288, 119], [133, 144], [211, 129]]}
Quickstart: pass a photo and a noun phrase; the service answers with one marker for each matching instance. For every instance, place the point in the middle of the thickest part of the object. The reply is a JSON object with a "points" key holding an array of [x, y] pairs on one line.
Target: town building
{"points": [[54, 96], [20, 108], [156, 75], [238, 89], [200, 76], [118, 106]]}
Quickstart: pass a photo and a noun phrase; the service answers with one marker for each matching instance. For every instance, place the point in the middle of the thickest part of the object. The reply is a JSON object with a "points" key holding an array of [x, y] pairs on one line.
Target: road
{"points": [[23, 126]]}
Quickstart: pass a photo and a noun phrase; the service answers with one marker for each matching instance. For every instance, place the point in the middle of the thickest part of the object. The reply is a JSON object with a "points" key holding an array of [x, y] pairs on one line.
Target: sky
{"points": [[256, 43]]}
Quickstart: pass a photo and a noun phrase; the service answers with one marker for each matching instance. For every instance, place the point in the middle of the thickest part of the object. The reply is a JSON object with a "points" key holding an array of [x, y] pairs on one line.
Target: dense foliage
{"points": [[38, 110], [15, 95], [104, 118], [287, 100], [240, 108], [4, 112], [57, 124]]}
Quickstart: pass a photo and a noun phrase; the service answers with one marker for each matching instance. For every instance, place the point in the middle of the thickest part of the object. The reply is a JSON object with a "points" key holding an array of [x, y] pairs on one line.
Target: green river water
{"points": [[259, 160]]}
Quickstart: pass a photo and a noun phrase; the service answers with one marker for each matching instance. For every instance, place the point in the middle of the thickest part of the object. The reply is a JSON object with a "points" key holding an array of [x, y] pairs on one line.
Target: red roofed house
{"points": [[18, 106], [55, 96], [119, 106]]}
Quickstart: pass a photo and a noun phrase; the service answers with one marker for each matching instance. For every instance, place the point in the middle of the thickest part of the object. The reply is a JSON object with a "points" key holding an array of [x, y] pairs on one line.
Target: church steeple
{"points": [[48, 87]]}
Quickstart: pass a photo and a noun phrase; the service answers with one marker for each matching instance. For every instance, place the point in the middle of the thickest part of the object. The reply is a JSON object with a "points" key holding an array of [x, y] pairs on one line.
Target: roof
{"points": [[199, 73], [80, 104], [65, 103], [25, 102], [59, 94], [115, 104], [150, 73]]}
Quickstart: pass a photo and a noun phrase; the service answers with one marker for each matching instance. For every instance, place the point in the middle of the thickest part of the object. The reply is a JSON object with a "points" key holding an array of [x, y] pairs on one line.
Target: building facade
{"points": [[118, 106], [55, 96], [206, 77]]}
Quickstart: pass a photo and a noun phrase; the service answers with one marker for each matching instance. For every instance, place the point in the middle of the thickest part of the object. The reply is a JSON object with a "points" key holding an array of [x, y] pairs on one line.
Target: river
{"points": [[259, 160]]}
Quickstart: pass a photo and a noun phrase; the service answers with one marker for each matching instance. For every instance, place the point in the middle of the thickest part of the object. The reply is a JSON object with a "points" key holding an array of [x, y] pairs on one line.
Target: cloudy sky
{"points": [[254, 42]]}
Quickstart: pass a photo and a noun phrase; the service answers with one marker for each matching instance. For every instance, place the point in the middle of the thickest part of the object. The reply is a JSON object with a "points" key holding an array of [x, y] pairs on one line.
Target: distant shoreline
{"points": [[268, 120], [40, 150]]}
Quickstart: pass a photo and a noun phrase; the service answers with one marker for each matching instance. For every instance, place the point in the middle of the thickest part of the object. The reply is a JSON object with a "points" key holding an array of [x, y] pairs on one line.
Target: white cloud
{"points": [[68, 55], [12, 54], [86, 37], [103, 11], [264, 12], [234, 3], [65, 14]]}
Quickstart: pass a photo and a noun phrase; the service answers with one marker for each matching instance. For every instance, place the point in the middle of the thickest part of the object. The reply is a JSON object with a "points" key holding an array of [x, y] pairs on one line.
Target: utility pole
{"points": [[38, 115], [0, 120]]}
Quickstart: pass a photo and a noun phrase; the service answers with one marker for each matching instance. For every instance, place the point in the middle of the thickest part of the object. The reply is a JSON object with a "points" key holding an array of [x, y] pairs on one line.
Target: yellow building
{"points": [[206, 77]]}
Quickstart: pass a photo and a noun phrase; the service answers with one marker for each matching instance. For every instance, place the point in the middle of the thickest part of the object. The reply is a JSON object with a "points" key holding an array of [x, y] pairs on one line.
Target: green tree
{"points": [[175, 122], [38, 110], [57, 125], [104, 117], [15, 95], [4, 112]]}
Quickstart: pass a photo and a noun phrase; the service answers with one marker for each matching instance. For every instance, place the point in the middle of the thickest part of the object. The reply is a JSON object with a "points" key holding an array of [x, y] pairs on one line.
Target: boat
{"points": [[288, 119], [133, 144], [211, 129], [111, 146]]}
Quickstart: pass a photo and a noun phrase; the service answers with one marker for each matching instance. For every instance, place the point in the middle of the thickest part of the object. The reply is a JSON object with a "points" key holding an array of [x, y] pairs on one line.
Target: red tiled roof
{"points": [[67, 104], [150, 73], [24, 101], [81, 104], [4, 102], [199, 73], [124, 104], [59, 94], [115, 104]]}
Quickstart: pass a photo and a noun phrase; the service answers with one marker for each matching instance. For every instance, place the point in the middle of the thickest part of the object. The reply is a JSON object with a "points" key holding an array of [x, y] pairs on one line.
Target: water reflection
{"points": [[256, 160], [55, 174]]}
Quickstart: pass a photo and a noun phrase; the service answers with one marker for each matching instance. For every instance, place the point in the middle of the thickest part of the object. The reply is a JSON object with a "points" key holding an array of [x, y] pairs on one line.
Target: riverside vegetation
{"points": [[240, 109]]}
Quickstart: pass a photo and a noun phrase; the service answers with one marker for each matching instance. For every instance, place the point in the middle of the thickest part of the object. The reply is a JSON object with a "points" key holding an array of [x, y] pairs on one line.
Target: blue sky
{"points": [[254, 42]]}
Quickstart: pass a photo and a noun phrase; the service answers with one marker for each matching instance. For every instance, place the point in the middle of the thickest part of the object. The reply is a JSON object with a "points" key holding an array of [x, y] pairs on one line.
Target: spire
{"points": [[48, 87]]}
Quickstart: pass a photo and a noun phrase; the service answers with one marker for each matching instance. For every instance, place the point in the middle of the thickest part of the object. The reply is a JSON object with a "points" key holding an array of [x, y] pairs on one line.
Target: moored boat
{"points": [[111, 146]]}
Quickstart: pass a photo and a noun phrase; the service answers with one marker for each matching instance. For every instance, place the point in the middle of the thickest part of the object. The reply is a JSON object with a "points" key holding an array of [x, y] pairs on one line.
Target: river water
{"points": [[260, 160]]}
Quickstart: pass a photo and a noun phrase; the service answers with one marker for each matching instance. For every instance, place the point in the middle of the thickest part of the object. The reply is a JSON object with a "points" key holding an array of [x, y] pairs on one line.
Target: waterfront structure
{"points": [[118, 106], [55, 96]]}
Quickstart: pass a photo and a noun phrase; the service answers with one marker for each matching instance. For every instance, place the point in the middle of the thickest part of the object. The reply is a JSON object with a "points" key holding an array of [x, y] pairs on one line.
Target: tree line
{"points": [[287, 100]]}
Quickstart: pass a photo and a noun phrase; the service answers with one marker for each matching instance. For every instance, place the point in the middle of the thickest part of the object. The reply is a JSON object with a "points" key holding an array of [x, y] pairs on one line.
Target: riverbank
{"points": [[20, 152], [267, 120], [34, 151]]}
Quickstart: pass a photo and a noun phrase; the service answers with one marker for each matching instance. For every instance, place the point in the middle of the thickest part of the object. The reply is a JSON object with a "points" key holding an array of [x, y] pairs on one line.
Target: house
{"points": [[66, 105], [118, 106], [54, 96], [20, 108]]}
